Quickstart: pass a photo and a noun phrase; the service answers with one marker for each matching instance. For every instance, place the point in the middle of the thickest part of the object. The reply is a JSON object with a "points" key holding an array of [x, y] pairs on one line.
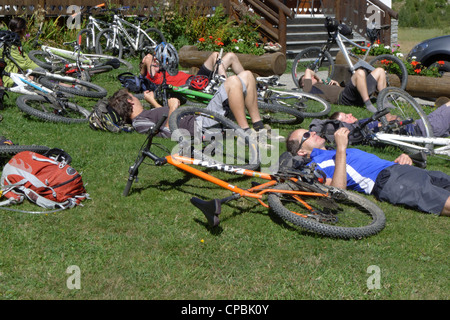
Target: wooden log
{"points": [[428, 87], [266, 65]]}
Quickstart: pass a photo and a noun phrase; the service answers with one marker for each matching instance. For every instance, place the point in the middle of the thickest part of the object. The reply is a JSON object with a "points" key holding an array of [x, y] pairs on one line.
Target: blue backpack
{"points": [[135, 84]]}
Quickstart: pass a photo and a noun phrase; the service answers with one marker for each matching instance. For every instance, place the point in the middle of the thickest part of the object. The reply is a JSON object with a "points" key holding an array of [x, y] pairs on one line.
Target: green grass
{"points": [[154, 244]]}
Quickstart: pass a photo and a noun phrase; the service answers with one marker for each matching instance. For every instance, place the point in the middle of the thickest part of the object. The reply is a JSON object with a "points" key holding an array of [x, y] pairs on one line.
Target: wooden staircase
{"points": [[308, 31]]}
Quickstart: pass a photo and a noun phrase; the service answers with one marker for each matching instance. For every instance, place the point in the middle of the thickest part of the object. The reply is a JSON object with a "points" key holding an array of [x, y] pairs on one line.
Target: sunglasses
{"points": [[305, 137]]}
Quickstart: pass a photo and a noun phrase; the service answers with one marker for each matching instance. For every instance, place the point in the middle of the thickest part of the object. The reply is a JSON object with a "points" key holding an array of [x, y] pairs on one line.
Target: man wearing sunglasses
{"points": [[396, 182]]}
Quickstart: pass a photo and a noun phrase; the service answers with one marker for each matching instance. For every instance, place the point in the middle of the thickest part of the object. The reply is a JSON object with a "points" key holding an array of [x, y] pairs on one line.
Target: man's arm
{"points": [[339, 179]]}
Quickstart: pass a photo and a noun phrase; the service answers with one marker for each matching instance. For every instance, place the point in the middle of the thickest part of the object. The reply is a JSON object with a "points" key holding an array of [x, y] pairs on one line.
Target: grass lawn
{"points": [[154, 244]]}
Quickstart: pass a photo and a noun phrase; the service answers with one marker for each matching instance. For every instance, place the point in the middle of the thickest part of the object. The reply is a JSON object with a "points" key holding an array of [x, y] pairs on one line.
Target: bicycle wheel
{"points": [[309, 105], [44, 60], [342, 214], [396, 73], [404, 107], [214, 138], [307, 58], [85, 40], [147, 45], [109, 44], [73, 86], [6, 150], [42, 108], [278, 114]]}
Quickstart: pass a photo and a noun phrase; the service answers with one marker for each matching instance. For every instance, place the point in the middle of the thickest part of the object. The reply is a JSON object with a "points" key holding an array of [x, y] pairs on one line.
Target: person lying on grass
{"points": [[439, 120], [396, 182], [356, 93]]}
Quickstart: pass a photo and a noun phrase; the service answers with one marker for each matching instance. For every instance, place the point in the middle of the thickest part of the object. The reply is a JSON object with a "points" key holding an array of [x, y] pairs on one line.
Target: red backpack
{"points": [[49, 181]]}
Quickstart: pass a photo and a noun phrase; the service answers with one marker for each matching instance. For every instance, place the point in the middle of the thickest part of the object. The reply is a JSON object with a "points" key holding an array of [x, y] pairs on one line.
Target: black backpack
{"points": [[326, 128], [135, 84]]}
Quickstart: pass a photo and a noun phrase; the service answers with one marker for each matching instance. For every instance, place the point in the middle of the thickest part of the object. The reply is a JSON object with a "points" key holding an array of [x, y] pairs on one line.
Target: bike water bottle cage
{"points": [[199, 82], [167, 56]]}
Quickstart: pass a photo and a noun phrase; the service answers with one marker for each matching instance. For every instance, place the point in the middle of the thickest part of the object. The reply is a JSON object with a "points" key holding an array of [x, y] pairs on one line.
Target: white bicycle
{"points": [[82, 65], [87, 36], [137, 40], [403, 131]]}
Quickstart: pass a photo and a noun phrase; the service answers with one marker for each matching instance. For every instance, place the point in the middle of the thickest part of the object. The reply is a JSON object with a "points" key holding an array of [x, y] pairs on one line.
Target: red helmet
{"points": [[199, 82]]}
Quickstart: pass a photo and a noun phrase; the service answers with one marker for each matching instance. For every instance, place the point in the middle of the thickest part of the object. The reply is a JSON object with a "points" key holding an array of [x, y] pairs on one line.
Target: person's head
{"points": [[314, 80], [18, 25], [301, 142], [343, 117], [126, 105]]}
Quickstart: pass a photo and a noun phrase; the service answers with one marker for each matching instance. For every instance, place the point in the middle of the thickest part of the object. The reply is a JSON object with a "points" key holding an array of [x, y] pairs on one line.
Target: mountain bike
{"points": [[406, 110], [309, 105], [297, 196], [75, 62], [87, 37], [319, 58], [125, 36]]}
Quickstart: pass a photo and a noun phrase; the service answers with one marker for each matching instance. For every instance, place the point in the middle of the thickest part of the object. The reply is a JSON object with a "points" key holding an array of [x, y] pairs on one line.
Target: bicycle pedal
{"points": [[211, 209]]}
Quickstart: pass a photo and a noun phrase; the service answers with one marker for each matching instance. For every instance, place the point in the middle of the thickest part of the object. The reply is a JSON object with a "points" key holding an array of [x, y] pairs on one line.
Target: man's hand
{"points": [[334, 83], [404, 159], [341, 138]]}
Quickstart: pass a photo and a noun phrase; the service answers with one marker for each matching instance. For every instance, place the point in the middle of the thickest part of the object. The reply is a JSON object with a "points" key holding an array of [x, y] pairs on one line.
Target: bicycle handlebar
{"points": [[376, 116]]}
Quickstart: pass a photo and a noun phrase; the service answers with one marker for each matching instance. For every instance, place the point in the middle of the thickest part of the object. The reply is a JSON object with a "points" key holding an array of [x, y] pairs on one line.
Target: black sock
{"points": [[258, 125]]}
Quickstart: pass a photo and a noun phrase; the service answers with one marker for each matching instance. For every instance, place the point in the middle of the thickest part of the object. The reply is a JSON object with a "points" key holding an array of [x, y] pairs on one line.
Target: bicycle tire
{"points": [[213, 151], [8, 150], [104, 44], [357, 216], [306, 58], [396, 72], [405, 107], [40, 107], [145, 46], [85, 40], [277, 114], [309, 105], [73, 86], [42, 59]]}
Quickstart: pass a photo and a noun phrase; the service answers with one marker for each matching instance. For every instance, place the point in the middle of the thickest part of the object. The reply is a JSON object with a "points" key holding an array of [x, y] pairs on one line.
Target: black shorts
{"points": [[413, 187], [350, 95], [203, 71]]}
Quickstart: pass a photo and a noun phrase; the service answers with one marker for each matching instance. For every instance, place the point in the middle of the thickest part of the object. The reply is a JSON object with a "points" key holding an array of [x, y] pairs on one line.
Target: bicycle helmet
{"points": [[199, 82], [167, 56], [10, 38]]}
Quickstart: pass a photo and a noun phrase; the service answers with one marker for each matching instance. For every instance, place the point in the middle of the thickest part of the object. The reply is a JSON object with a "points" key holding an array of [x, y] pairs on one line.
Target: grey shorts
{"points": [[413, 187], [219, 104], [439, 120]]}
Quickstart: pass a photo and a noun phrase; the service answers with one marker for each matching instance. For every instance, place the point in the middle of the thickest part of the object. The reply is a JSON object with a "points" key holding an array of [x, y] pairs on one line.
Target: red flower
{"points": [[257, 45], [210, 37], [417, 71], [441, 62], [201, 39], [234, 40], [415, 63]]}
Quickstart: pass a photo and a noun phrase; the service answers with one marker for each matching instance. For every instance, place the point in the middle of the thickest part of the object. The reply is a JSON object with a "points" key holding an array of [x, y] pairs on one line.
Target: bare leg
{"points": [[446, 210], [233, 87]]}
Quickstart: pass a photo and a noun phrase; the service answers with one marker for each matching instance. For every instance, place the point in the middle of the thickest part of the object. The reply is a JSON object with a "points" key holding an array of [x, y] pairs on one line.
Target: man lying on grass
{"points": [[396, 182]]}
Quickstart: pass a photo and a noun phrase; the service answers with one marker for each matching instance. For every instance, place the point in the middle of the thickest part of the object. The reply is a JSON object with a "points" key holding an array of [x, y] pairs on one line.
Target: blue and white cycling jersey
{"points": [[362, 167]]}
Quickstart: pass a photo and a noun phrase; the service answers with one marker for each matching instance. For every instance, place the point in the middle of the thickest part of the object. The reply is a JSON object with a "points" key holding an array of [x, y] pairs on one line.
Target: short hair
{"points": [[300, 81], [119, 101], [292, 145], [17, 25], [335, 115]]}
